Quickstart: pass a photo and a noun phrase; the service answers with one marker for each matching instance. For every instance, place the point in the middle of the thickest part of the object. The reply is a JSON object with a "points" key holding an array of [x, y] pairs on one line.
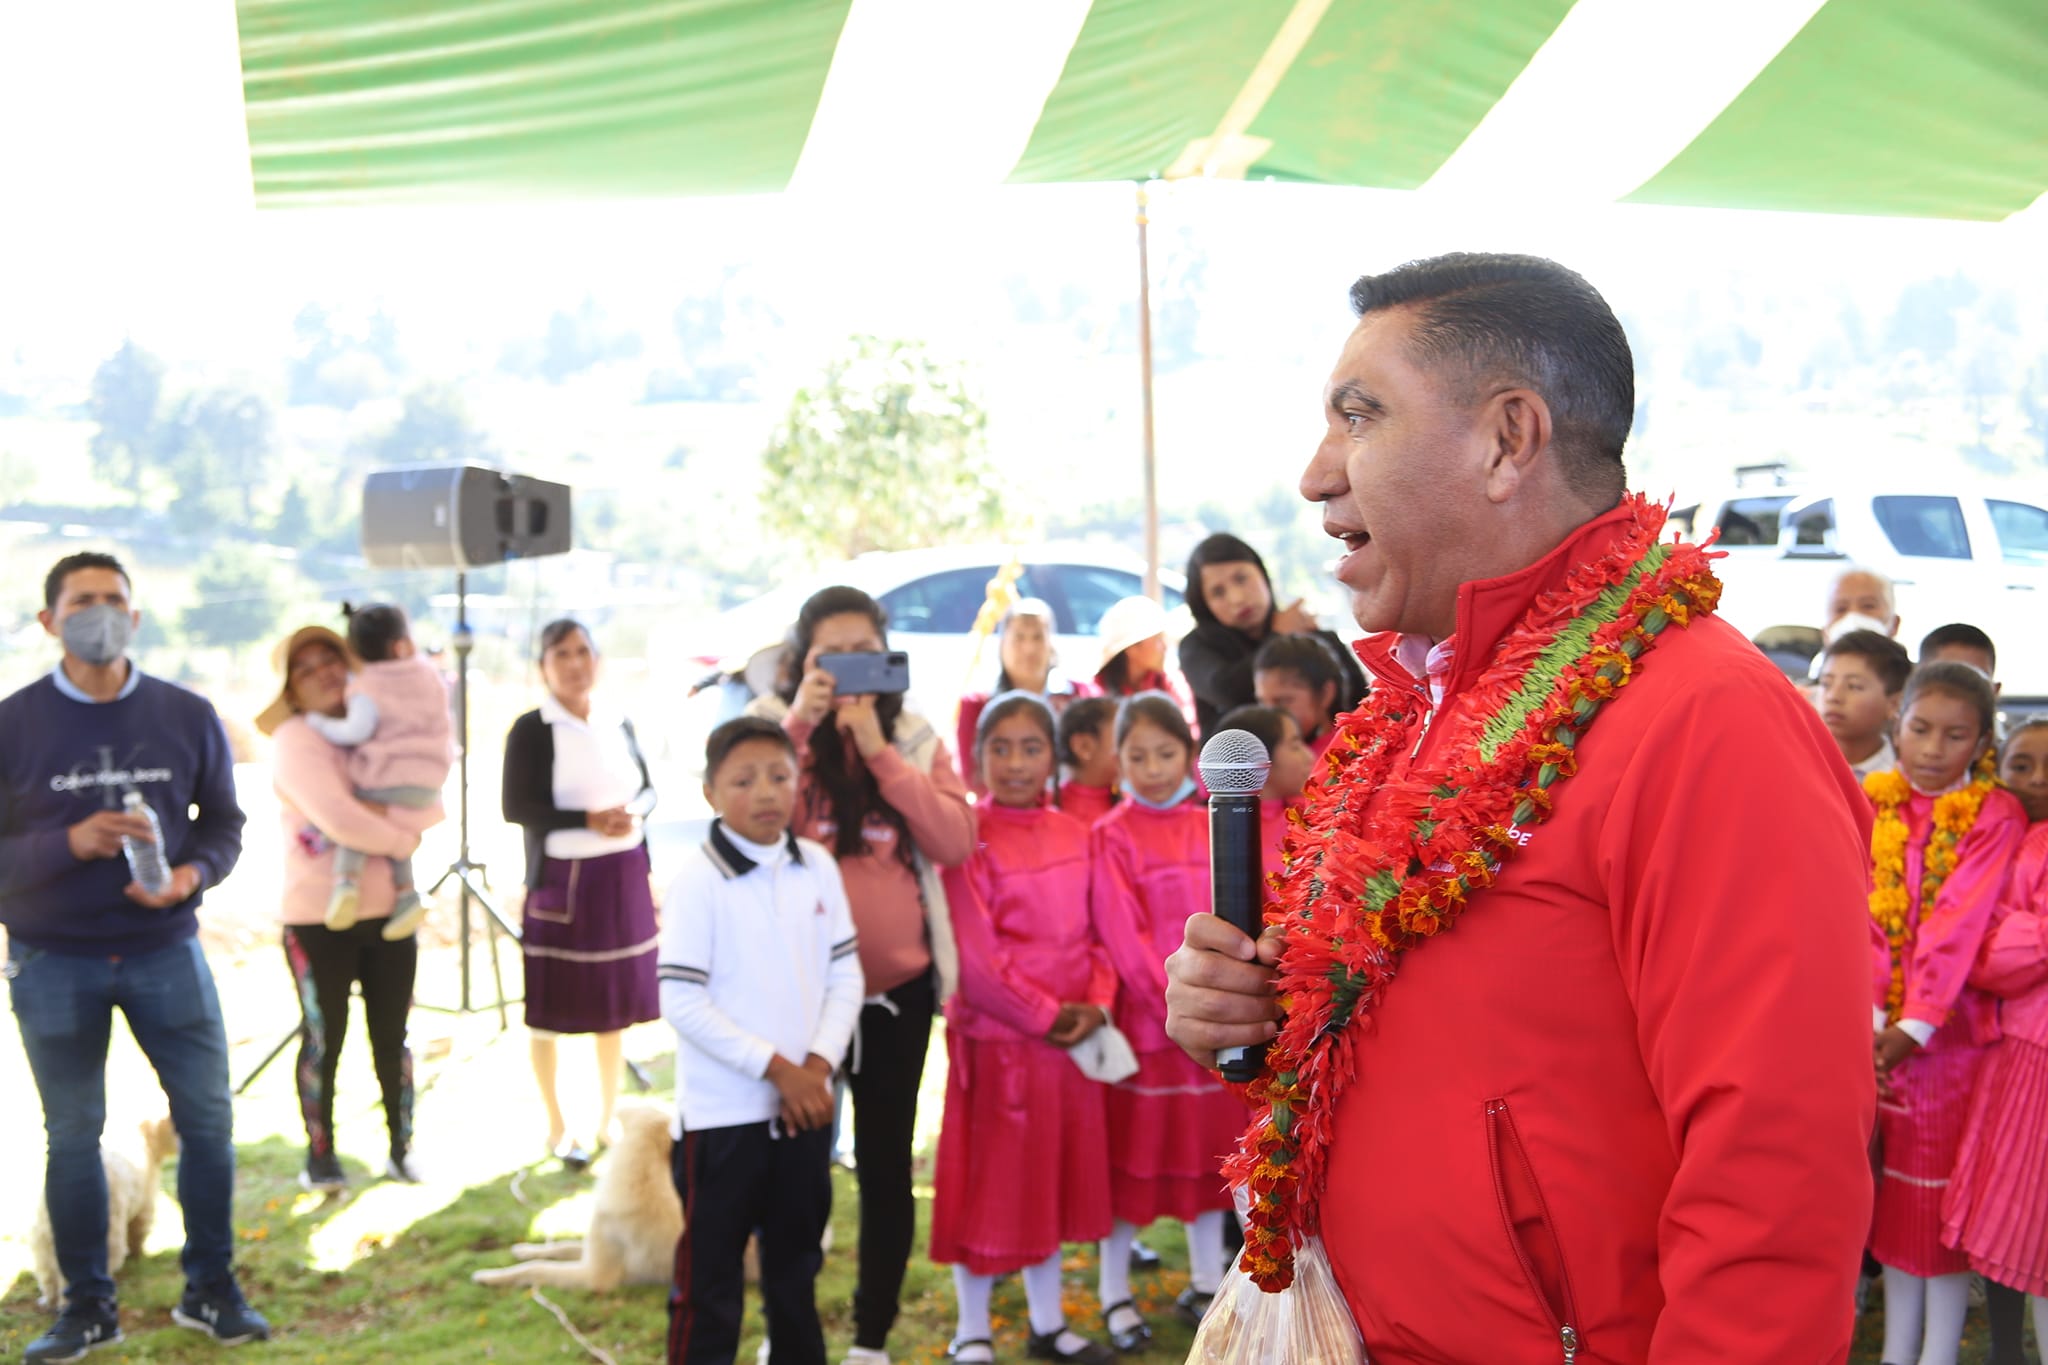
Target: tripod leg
{"points": [[268, 1058], [497, 972], [638, 1076]]}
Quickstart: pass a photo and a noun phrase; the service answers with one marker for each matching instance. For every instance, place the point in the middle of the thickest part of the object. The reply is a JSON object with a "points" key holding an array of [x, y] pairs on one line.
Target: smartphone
{"points": [[859, 675]]}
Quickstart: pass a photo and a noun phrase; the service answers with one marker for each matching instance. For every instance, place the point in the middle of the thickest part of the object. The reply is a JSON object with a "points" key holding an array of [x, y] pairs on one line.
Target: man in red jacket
{"points": [[1620, 1115]]}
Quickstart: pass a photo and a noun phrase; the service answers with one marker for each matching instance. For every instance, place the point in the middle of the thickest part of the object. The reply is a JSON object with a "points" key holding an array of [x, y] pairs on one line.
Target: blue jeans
{"points": [[65, 1007]]}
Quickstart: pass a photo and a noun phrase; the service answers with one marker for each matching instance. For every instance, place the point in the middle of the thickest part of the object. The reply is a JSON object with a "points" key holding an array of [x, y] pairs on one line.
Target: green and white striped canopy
{"points": [[1933, 108]]}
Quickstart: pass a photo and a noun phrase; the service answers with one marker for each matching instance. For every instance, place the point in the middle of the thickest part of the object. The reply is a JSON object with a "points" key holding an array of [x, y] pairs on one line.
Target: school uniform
{"points": [[1085, 803], [1922, 1121], [1023, 1162], [1996, 1209], [758, 959], [1172, 1123]]}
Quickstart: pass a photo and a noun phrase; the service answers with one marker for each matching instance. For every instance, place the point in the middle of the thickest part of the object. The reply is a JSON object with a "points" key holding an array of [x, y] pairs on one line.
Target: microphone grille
{"points": [[1235, 763]]}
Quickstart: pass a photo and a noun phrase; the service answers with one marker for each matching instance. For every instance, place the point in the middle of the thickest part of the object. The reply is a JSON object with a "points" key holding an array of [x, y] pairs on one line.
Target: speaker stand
{"points": [[470, 878]]}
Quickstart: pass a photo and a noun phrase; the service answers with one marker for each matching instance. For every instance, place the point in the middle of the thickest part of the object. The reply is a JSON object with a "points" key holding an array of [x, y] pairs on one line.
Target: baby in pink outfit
{"points": [[399, 729]]}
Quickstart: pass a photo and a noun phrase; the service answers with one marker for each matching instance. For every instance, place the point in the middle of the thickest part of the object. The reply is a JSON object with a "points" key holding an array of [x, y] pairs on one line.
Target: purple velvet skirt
{"points": [[590, 944]]}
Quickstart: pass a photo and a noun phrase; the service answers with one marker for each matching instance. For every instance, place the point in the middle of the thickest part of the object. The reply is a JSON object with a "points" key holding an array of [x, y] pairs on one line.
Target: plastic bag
{"points": [[1307, 1323]]}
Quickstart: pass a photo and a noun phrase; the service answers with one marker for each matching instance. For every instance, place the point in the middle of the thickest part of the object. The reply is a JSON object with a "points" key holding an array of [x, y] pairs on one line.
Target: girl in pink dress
{"points": [[1293, 761], [1023, 1159], [1087, 734], [1172, 1123], [1929, 1055], [1997, 1206]]}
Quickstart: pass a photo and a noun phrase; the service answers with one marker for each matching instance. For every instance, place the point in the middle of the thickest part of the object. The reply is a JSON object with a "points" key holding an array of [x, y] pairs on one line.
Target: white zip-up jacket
{"points": [[758, 958]]}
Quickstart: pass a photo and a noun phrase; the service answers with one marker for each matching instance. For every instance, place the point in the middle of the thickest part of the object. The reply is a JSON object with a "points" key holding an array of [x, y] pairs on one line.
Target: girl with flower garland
{"points": [[1021, 1119], [1994, 1211], [1941, 852], [1172, 1123]]}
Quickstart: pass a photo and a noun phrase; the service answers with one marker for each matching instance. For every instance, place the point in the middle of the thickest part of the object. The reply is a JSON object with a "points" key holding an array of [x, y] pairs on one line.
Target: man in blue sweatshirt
{"points": [[84, 939]]}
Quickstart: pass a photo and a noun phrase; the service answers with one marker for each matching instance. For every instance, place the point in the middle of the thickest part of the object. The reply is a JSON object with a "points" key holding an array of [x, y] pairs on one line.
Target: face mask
{"points": [[1180, 794], [97, 634]]}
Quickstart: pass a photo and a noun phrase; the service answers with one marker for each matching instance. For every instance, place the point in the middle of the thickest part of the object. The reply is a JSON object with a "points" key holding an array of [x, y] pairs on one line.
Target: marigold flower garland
{"points": [[1378, 865], [1955, 815]]}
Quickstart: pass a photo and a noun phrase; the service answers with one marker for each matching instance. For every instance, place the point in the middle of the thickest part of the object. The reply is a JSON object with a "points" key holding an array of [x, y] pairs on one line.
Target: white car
{"points": [[932, 597], [1953, 553]]}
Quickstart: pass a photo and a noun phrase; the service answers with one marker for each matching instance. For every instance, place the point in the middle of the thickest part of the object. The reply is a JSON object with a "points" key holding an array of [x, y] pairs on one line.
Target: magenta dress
{"points": [[1997, 1206], [1023, 1159], [1922, 1122], [1171, 1124]]}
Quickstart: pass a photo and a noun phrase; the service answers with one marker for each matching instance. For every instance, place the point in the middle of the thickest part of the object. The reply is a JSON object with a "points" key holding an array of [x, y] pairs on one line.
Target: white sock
{"points": [[2040, 1307], [972, 1291], [1042, 1295], [1905, 1314], [1205, 1252], [1116, 1264], [1948, 1303]]}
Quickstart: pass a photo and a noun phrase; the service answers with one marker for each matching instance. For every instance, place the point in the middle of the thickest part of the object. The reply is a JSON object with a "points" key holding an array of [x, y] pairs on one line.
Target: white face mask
{"points": [[97, 634]]}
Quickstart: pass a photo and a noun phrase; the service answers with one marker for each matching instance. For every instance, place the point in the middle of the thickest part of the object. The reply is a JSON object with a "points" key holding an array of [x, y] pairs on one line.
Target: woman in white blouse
{"points": [[576, 783]]}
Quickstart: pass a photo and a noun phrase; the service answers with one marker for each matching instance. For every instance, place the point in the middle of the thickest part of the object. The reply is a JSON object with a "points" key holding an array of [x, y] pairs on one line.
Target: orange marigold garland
{"points": [[1375, 868], [1891, 904]]}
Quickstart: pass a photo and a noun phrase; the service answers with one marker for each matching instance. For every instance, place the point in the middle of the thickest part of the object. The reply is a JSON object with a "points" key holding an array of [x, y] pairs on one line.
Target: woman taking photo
{"points": [[878, 788], [576, 784], [1230, 596], [320, 814]]}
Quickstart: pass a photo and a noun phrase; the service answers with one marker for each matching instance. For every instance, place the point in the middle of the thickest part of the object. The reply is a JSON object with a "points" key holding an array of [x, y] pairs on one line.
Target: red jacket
{"points": [[1633, 1090]]}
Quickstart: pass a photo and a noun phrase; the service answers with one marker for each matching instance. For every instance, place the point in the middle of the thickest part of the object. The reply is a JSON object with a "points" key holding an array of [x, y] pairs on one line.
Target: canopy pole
{"points": [[1145, 385]]}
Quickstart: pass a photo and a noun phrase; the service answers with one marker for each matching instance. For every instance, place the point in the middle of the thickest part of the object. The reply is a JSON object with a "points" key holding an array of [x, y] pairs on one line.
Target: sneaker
{"points": [[343, 906], [406, 913], [323, 1175], [403, 1167], [220, 1311], [84, 1325]]}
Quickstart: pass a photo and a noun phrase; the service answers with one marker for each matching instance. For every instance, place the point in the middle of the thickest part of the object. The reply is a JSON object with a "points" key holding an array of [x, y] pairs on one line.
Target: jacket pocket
{"points": [[1525, 1219]]}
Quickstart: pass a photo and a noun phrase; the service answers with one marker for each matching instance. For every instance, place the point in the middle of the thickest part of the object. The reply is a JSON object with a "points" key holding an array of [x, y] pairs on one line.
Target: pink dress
{"points": [[1922, 1122], [1086, 804], [1023, 1157], [1171, 1124], [1997, 1206]]}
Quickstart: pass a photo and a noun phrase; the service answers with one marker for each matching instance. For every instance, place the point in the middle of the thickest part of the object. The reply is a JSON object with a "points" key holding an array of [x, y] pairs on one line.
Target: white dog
{"points": [[131, 1208], [633, 1229]]}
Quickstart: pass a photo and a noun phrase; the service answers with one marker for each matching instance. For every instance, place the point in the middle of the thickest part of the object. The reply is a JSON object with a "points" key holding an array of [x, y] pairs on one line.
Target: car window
{"points": [[1924, 527], [1815, 525], [939, 604], [1085, 591], [2022, 532], [1751, 521]]}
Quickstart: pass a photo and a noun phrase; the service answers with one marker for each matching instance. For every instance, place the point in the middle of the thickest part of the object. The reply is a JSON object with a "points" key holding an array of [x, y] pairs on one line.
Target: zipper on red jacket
{"points": [[1500, 1127]]}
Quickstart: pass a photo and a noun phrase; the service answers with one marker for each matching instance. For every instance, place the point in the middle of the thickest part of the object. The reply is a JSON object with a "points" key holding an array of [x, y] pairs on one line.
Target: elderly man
{"points": [[1621, 1114], [1861, 599]]}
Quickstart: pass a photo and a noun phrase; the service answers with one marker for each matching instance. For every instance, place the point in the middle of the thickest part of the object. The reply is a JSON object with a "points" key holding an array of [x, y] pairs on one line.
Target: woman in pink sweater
{"points": [[319, 813], [878, 788]]}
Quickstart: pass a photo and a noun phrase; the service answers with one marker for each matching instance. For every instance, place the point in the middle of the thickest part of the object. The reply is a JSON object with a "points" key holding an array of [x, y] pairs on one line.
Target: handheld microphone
{"points": [[1234, 767]]}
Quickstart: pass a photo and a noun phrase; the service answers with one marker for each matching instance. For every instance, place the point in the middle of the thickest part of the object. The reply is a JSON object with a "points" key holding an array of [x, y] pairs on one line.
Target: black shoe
{"points": [[574, 1158], [1133, 1339], [84, 1325], [1143, 1258], [323, 1174], [220, 1311], [1192, 1306], [953, 1351], [1046, 1346]]}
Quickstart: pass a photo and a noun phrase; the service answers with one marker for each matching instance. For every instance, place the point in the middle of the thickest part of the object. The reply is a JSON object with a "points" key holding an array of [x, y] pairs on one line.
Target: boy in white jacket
{"points": [[760, 977]]}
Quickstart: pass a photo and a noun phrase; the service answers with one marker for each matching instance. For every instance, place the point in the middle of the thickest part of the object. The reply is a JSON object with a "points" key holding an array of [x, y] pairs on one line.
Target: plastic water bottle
{"points": [[146, 859]]}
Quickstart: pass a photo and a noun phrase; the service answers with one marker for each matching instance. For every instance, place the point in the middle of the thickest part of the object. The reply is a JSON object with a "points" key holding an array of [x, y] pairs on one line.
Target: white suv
{"points": [[1953, 553]]}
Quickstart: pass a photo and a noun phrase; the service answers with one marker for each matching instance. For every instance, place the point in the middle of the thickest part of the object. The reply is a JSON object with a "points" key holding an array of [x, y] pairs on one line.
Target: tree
{"points": [[887, 452], [432, 428], [126, 390], [216, 447], [241, 598]]}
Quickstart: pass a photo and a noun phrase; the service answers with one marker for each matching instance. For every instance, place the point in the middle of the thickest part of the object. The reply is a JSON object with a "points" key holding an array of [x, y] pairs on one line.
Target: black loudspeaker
{"points": [[461, 517]]}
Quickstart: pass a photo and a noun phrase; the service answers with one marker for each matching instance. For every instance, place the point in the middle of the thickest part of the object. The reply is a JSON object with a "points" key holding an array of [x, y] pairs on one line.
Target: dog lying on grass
{"points": [[131, 1208], [633, 1229]]}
